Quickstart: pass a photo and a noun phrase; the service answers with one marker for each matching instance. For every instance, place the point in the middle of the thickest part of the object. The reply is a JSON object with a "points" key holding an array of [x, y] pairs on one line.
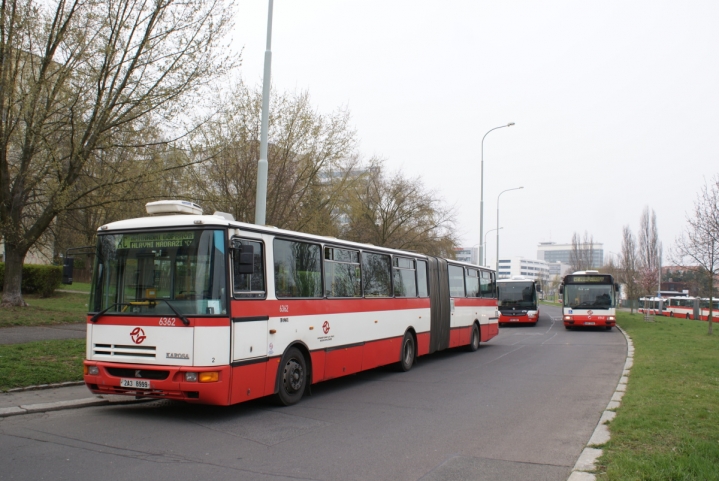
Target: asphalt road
{"points": [[522, 407]]}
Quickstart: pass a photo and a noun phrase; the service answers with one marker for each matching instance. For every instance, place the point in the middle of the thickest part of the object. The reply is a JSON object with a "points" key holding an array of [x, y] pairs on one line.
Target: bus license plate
{"points": [[589, 323], [135, 383], [514, 319]]}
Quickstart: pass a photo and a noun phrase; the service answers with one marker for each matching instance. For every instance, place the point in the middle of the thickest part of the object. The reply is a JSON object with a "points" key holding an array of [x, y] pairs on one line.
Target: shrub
{"points": [[37, 278]]}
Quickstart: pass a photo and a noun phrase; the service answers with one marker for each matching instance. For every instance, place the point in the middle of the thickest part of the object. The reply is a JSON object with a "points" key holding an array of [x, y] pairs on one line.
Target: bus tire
{"points": [[292, 377], [609, 328], [407, 352], [569, 328], [671, 313], [474, 339], [687, 317]]}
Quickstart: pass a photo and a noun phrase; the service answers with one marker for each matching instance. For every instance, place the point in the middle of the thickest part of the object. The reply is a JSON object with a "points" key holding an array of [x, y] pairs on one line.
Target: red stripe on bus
{"points": [[159, 321]]}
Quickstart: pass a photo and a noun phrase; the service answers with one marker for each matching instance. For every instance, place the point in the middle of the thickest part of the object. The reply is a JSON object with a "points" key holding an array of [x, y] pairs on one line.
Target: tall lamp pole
{"points": [[481, 191], [484, 263], [261, 193], [497, 264]]}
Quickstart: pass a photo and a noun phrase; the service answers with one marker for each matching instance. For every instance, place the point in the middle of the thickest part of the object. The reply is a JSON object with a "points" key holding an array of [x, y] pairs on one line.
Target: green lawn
{"points": [[667, 427], [76, 286], [62, 308], [41, 362]]}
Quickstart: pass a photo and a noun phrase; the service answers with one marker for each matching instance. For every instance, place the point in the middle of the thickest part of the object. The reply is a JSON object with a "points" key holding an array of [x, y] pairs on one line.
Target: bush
{"points": [[37, 278]]}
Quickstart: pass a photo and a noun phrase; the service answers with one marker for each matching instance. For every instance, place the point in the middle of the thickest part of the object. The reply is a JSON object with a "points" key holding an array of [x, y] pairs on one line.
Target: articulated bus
{"points": [[517, 301], [678, 306], [205, 309], [589, 299]]}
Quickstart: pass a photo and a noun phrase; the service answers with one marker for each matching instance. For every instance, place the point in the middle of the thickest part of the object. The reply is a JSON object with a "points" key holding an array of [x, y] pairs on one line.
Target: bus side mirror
{"points": [[616, 288], [245, 259], [561, 289], [68, 265], [539, 288]]}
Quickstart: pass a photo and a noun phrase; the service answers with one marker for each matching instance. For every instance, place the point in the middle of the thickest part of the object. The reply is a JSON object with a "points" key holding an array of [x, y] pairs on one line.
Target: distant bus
{"points": [[517, 301], [589, 299], [680, 306], [204, 309], [651, 305]]}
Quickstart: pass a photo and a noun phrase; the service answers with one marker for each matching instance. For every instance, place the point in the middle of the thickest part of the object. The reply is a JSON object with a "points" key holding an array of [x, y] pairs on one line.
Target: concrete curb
{"points": [[586, 463]]}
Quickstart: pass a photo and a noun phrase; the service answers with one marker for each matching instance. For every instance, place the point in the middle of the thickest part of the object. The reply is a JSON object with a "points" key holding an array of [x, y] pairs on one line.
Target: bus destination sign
{"points": [[156, 240], [588, 279]]}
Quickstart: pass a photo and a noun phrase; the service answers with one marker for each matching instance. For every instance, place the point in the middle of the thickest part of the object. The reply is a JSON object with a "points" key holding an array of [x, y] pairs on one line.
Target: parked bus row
{"points": [[683, 307], [206, 309]]}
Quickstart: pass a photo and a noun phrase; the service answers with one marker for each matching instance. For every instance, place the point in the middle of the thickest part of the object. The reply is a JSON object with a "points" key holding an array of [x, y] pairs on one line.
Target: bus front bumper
{"points": [[205, 385], [589, 321]]}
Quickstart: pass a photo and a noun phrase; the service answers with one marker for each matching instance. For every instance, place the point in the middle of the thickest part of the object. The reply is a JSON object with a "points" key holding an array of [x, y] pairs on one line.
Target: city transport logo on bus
{"points": [[326, 327], [138, 335]]}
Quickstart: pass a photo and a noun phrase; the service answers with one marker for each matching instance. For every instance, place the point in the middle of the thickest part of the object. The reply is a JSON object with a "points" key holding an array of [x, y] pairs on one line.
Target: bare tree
{"points": [[581, 256], [398, 212], [81, 80], [628, 266], [700, 241], [311, 156]]}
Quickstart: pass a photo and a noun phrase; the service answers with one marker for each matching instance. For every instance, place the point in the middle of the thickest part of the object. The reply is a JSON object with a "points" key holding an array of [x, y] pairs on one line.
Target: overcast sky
{"points": [[616, 103]]}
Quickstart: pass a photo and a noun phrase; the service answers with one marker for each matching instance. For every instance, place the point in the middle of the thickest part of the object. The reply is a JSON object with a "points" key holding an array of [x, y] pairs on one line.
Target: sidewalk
{"points": [[62, 396]]}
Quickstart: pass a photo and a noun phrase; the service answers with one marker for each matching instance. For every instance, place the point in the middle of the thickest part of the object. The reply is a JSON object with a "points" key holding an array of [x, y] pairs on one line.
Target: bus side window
{"points": [[472, 283], [297, 269], [487, 284], [376, 275], [456, 281], [342, 273], [404, 279], [248, 285], [422, 290]]}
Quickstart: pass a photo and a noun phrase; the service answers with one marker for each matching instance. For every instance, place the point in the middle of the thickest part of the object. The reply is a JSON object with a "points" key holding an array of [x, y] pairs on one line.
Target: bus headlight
{"points": [[92, 370], [567, 318], [191, 376], [611, 318]]}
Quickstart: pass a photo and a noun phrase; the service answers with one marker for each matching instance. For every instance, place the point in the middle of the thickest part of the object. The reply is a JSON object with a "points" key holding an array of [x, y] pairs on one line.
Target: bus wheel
{"points": [[609, 328], [406, 359], [687, 316], [293, 377], [671, 313], [569, 328], [474, 341]]}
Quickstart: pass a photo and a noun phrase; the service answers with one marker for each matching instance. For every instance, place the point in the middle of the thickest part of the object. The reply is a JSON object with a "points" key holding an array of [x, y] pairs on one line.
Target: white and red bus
{"points": [[205, 309], [517, 301], [679, 306], [650, 305], [589, 299]]}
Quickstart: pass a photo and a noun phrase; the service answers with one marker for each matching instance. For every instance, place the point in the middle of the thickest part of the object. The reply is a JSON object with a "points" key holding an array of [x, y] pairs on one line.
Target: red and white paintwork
{"points": [[589, 317], [340, 336]]}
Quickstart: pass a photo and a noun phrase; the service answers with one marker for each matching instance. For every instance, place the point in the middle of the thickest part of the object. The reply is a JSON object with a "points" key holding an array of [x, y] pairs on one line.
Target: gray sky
{"points": [[616, 103]]}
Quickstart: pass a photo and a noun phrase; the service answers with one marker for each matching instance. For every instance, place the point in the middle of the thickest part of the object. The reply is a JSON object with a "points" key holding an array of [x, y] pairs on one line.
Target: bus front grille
{"points": [[138, 373], [124, 350]]}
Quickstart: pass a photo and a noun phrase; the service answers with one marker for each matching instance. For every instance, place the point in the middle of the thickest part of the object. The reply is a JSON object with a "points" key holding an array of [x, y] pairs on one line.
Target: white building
{"points": [[553, 252], [467, 254], [519, 266]]}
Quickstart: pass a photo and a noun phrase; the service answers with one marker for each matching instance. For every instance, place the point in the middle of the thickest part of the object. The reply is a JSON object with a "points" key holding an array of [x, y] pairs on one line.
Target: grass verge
{"points": [[666, 428], [62, 308], [41, 362]]}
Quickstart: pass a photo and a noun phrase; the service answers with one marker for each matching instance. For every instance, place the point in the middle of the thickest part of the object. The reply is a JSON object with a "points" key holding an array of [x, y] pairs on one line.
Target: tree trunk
{"points": [[12, 294]]}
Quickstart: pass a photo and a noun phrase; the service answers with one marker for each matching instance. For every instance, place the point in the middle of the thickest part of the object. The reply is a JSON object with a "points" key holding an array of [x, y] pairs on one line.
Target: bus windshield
{"points": [[517, 294], [160, 273], [595, 296]]}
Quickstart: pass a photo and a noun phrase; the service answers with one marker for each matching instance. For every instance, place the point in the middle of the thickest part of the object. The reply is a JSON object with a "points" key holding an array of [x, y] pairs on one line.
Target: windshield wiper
{"points": [[184, 320], [97, 316]]}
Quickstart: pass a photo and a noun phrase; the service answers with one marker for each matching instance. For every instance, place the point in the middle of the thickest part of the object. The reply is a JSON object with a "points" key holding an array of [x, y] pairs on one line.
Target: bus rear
{"points": [[589, 300], [517, 301]]}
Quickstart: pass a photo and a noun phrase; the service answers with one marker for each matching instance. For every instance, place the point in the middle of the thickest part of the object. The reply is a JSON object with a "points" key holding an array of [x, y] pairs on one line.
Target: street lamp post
{"points": [[262, 167], [497, 264], [484, 263], [481, 191]]}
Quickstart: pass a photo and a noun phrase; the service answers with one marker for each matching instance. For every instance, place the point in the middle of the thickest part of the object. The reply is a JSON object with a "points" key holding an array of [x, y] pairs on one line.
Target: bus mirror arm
{"points": [[97, 316]]}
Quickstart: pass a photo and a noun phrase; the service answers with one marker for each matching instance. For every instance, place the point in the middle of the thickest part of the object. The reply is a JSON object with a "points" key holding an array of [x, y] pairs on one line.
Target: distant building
{"points": [[467, 254], [558, 269], [553, 252], [519, 266]]}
